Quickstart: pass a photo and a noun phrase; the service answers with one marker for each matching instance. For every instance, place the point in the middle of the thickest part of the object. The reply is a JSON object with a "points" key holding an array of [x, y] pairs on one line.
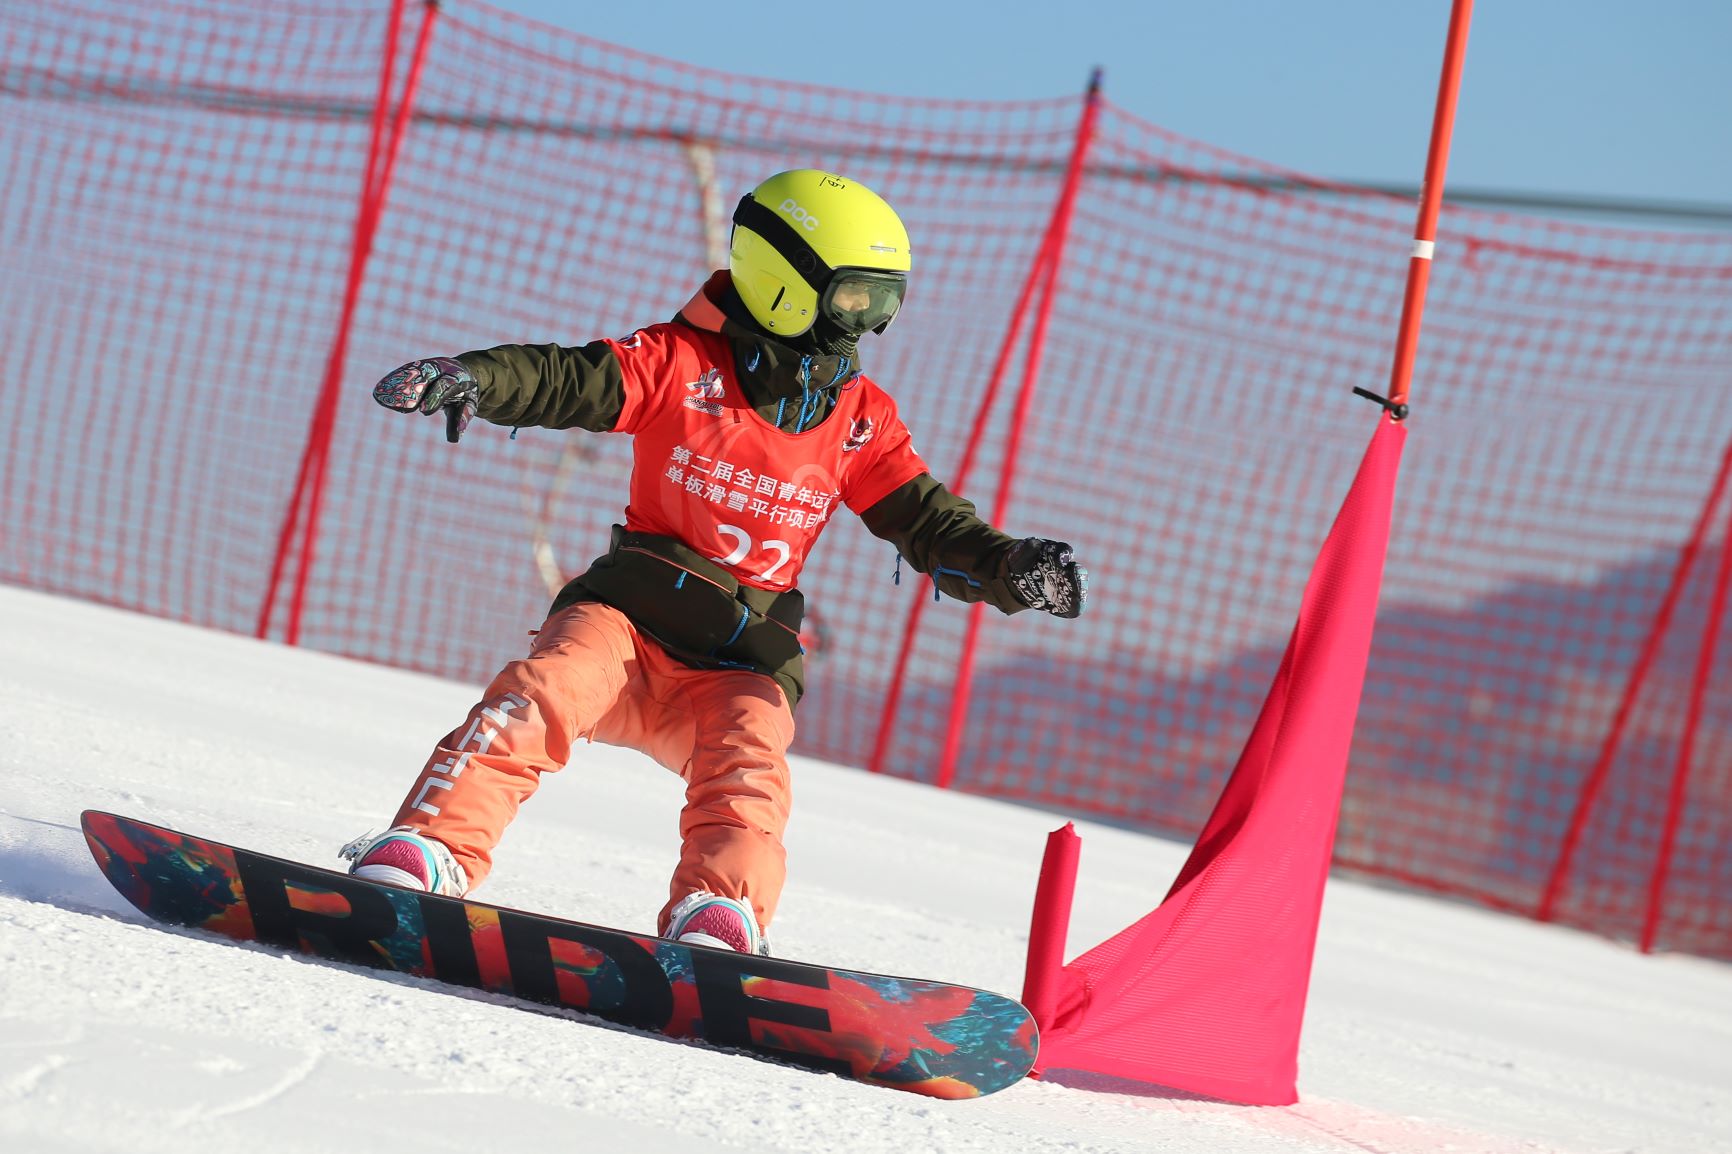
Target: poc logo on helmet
{"points": [[799, 215]]}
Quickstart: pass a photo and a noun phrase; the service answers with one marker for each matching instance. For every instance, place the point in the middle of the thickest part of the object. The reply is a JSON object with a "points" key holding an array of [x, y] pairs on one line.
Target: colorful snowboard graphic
{"points": [[926, 1037]]}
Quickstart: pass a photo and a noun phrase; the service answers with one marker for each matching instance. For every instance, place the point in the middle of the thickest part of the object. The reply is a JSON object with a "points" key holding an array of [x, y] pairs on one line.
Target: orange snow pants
{"points": [[590, 674]]}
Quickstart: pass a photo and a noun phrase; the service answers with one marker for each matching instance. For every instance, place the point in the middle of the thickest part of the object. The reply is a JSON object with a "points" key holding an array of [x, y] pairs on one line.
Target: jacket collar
{"points": [[703, 311]]}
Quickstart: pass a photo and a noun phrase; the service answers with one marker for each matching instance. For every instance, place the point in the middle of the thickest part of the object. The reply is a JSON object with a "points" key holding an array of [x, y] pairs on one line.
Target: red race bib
{"points": [[711, 472]]}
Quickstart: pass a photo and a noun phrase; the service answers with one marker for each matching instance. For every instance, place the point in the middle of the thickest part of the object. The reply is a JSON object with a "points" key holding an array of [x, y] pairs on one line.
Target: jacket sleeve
{"points": [[940, 534], [554, 386]]}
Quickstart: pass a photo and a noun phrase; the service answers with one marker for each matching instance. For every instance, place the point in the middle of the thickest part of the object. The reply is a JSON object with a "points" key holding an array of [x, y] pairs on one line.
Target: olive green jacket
{"points": [[700, 622]]}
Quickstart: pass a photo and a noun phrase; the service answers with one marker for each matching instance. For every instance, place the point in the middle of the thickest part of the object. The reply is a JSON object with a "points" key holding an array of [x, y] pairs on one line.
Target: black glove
{"points": [[428, 386], [1045, 575]]}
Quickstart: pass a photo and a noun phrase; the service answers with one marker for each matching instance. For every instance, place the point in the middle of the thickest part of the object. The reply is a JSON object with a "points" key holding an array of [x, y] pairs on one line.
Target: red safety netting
{"points": [[182, 191]]}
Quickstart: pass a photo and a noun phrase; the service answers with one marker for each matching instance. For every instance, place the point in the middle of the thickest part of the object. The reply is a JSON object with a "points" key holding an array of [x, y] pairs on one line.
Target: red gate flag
{"points": [[1207, 993]]}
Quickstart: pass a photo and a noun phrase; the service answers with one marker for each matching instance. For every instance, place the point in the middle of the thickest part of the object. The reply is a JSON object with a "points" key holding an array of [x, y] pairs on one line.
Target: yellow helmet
{"points": [[808, 243]]}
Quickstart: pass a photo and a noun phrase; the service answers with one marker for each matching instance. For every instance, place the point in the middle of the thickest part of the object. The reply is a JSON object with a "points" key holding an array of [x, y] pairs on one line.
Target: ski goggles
{"points": [[862, 300]]}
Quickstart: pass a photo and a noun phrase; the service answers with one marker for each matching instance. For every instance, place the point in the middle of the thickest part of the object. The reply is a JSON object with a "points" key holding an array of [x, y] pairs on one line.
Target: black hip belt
{"points": [[694, 608]]}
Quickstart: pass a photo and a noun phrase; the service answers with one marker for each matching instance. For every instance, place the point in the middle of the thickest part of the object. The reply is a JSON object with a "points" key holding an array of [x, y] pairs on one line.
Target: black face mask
{"points": [[830, 340]]}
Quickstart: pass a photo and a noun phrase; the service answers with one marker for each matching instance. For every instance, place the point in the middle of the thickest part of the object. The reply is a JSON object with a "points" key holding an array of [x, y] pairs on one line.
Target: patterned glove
{"points": [[1045, 576], [428, 386]]}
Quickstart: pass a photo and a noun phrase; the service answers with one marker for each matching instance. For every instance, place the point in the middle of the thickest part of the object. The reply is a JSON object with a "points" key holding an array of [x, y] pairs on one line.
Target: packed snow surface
{"points": [[1431, 1026]]}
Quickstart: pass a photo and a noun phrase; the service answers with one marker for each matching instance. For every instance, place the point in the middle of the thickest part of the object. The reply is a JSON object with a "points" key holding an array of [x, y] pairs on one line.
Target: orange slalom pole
{"points": [[1430, 205]]}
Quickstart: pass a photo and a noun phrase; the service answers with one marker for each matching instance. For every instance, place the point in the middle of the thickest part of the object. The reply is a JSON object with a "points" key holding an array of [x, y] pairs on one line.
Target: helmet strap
{"points": [[785, 239]]}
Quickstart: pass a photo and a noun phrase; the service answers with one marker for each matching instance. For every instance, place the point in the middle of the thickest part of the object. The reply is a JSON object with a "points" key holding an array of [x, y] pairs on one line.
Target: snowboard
{"points": [[932, 1038]]}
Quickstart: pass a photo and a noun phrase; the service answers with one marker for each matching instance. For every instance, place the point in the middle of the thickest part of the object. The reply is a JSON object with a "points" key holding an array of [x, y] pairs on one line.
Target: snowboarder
{"points": [[750, 419]]}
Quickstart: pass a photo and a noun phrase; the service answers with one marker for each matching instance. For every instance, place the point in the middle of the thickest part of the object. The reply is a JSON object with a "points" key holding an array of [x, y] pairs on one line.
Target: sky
{"points": [[1431, 1026], [1581, 97]]}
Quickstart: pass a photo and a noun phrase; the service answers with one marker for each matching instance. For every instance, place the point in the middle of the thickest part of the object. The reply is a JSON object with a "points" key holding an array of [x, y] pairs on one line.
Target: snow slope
{"points": [[1432, 1027]]}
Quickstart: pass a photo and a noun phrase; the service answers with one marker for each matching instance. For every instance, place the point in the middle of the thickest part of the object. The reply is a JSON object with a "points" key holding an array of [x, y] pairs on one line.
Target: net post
{"points": [[1591, 788], [380, 169], [958, 480], [1687, 747], [311, 452], [1058, 234]]}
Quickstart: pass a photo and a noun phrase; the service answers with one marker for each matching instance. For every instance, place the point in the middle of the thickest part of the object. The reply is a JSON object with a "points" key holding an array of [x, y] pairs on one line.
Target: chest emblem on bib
{"points": [[705, 393], [858, 435]]}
